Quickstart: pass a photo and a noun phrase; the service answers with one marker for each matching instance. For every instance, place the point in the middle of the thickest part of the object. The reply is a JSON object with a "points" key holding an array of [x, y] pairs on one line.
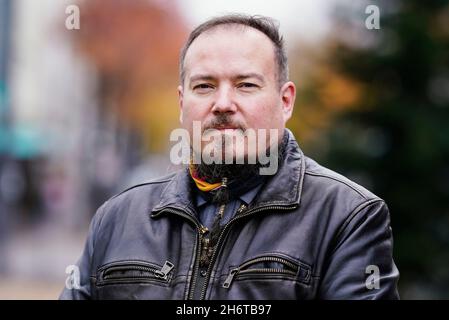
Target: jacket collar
{"points": [[282, 189]]}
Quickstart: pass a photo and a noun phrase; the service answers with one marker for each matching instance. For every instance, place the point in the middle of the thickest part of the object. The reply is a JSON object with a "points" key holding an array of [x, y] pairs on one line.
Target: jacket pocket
{"points": [[269, 267], [134, 272]]}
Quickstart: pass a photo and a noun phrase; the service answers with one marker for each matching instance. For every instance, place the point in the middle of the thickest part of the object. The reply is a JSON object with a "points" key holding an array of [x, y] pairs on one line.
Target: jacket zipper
{"points": [[206, 241], [158, 273], [166, 268], [201, 231], [239, 270], [238, 216]]}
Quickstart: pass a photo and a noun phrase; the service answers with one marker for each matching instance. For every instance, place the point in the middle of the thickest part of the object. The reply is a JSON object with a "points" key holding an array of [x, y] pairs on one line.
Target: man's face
{"points": [[231, 83]]}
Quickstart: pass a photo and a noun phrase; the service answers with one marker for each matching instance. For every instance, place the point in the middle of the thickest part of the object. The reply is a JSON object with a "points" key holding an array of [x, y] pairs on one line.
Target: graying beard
{"points": [[216, 172]]}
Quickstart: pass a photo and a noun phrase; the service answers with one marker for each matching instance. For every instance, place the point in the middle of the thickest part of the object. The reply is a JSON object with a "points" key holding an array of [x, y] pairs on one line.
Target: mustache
{"points": [[223, 120]]}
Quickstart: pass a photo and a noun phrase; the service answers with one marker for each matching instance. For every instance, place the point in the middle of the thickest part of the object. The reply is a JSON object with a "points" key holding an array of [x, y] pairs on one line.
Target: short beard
{"points": [[214, 172]]}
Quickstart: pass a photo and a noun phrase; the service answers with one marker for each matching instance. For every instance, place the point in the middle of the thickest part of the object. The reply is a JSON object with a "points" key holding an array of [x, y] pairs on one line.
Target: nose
{"points": [[224, 102]]}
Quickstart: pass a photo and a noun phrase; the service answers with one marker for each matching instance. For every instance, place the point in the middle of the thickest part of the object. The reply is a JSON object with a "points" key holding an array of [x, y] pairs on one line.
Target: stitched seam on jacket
{"points": [[351, 216], [95, 230], [143, 184], [297, 190], [360, 192]]}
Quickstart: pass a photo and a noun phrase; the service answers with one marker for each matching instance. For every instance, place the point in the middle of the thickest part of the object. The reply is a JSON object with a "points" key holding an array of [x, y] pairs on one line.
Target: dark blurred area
{"points": [[86, 113], [391, 130]]}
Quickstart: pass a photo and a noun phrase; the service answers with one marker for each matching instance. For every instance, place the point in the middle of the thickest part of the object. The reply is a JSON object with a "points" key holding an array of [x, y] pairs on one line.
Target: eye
{"points": [[203, 87], [247, 85]]}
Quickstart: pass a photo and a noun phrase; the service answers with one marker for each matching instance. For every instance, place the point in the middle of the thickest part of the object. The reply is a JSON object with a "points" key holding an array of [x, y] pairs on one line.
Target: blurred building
{"points": [[49, 133], [5, 30], [64, 147], [51, 110]]}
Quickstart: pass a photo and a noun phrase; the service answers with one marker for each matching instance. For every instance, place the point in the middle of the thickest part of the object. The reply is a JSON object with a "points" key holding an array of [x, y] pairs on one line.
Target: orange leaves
{"points": [[337, 92], [134, 46]]}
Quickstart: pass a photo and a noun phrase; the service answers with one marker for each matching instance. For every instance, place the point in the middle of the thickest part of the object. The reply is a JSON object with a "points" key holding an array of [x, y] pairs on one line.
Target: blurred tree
{"points": [[134, 46], [389, 128]]}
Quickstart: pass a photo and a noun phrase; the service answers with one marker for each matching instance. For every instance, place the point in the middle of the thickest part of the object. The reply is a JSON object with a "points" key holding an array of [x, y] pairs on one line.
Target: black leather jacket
{"points": [[310, 234]]}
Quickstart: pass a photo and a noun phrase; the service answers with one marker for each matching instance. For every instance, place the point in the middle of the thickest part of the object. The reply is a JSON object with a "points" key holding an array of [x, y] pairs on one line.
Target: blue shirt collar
{"points": [[246, 198]]}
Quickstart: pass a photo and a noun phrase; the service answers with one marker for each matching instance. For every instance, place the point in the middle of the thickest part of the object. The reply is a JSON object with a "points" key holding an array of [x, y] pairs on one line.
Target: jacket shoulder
{"points": [[137, 196], [327, 179], [341, 202], [140, 191], [156, 182]]}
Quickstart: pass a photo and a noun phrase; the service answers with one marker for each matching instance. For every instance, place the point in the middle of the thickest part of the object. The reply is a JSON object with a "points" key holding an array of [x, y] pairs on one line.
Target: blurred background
{"points": [[85, 113]]}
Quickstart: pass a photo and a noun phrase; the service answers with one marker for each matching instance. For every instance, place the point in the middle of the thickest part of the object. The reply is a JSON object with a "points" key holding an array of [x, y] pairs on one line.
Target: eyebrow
{"points": [[251, 75], [201, 77], [206, 77]]}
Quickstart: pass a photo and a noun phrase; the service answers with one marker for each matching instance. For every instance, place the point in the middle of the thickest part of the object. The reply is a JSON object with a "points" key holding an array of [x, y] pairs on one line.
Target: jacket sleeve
{"points": [[361, 263], [78, 285]]}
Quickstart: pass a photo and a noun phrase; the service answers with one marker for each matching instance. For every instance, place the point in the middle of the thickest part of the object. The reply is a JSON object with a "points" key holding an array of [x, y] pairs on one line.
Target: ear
{"points": [[180, 101], [288, 95]]}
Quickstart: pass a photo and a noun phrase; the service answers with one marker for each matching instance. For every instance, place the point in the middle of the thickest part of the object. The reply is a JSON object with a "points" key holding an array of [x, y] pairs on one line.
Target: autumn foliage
{"points": [[134, 46]]}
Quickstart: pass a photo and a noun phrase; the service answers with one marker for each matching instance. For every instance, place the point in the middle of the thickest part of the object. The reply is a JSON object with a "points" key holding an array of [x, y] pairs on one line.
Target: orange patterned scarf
{"points": [[202, 184]]}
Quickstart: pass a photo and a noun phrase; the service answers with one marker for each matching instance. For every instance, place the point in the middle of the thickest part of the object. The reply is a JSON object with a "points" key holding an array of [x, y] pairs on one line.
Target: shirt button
{"points": [[203, 273]]}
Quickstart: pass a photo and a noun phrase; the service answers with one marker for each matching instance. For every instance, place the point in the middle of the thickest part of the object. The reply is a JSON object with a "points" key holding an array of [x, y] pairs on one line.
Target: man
{"points": [[226, 231]]}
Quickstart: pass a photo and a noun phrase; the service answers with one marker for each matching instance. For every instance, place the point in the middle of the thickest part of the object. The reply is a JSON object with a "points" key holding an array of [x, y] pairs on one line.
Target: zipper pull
{"points": [[203, 229], [242, 208], [204, 259], [230, 277], [166, 268], [221, 210], [224, 182]]}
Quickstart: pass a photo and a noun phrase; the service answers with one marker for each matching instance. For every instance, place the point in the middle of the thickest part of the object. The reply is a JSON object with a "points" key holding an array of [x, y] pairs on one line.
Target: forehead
{"points": [[231, 49]]}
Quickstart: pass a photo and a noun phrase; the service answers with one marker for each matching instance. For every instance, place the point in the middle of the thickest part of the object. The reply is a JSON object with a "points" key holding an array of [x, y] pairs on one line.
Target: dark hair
{"points": [[266, 25]]}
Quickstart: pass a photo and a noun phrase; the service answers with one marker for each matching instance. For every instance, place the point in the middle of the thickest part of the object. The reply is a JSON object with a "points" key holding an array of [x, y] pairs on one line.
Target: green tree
{"points": [[394, 138]]}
